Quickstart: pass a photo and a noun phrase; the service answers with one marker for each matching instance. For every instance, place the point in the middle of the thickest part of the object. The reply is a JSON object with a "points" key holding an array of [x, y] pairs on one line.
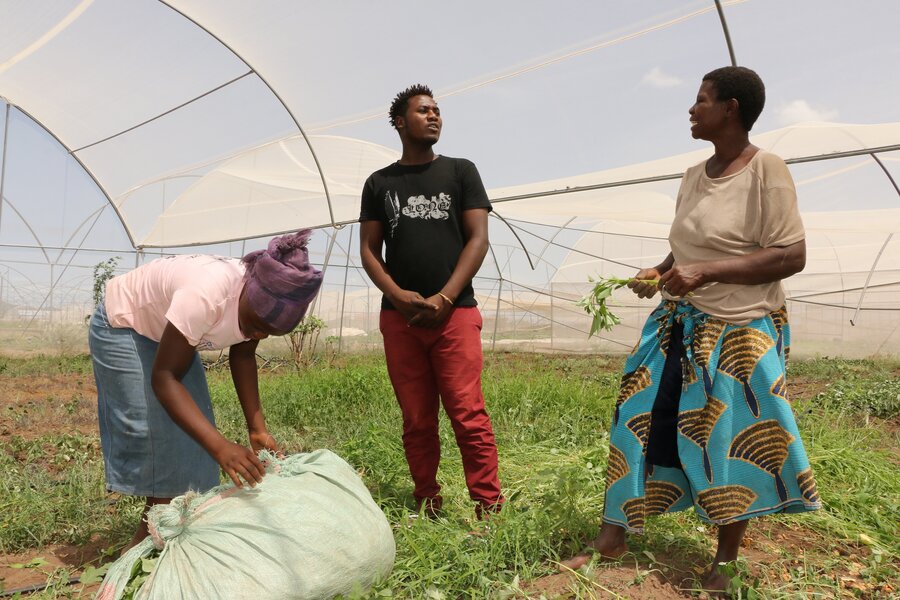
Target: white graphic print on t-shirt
{"points": [[420, 207], [392, 209]]}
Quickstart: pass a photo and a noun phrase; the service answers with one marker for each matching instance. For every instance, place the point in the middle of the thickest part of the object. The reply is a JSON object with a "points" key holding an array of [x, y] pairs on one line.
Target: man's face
{"points": [[422, 122]]}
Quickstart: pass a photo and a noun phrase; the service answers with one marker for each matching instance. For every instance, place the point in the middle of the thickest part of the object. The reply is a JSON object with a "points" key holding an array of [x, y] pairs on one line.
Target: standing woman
{"points": [[702, 417], [157, 427]]}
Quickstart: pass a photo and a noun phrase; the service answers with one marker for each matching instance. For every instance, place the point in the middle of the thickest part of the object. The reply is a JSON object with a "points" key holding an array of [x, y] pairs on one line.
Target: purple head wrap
{"points": [[280, 282]]}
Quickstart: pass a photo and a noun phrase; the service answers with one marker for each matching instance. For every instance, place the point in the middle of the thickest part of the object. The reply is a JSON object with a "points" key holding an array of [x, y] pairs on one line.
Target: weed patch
{"points": [[551, 417]]}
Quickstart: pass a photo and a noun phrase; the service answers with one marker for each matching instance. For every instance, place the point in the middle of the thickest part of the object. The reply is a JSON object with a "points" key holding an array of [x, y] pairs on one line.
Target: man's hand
{"points": [[412, 305], [239, 463], [432, 319]]}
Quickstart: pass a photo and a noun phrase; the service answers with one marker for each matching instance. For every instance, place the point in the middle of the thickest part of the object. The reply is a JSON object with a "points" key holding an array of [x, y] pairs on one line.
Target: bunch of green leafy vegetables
{"points": [[140, 571], [595, 302]]}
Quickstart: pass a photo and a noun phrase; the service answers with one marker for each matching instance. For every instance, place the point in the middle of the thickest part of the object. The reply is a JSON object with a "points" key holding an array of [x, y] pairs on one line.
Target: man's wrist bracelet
{"points": [[445, 297]]}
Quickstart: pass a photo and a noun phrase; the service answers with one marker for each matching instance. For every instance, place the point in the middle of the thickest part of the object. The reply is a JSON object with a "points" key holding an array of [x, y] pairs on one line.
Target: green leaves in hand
{"points": [[594, 303]]}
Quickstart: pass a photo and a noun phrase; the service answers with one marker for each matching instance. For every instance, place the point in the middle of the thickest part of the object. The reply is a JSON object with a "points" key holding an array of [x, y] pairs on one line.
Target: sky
{"points": [[530, 91]]}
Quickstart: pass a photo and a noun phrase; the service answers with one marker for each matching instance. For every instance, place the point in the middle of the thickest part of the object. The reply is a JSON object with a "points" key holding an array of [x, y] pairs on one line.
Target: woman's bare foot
{"points": [[610, 543], [715, 583], [730, 537]]}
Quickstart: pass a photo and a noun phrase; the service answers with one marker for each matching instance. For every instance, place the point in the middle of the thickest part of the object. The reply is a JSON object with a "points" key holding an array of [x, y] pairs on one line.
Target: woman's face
{"points": [[251, 325], [707, 113]]}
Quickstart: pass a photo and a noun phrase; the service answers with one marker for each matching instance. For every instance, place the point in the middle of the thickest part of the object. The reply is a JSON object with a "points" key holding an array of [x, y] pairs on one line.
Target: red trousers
{"points": [[426, 365]]}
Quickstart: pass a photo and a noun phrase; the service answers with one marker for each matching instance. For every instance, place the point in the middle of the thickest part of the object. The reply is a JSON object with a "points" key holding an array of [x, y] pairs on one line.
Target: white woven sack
{"points": [[309, 530]]}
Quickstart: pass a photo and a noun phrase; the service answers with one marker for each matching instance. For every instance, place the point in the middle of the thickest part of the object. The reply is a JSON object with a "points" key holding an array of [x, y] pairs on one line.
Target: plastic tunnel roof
{"points": [[204, 121], [141, 127], [584, 193]]}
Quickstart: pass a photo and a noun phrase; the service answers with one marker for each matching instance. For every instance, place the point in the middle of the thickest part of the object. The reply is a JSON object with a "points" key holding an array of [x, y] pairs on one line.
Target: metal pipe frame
{"points": [[277, 97], [883, 246]]}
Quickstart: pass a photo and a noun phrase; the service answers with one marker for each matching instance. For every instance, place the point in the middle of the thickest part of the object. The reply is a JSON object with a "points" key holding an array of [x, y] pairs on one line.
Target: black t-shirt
{"points": [[421, 209]]}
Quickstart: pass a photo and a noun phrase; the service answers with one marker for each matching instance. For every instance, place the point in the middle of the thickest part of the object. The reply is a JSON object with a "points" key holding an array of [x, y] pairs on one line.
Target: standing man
{"points": [[430, 212]]}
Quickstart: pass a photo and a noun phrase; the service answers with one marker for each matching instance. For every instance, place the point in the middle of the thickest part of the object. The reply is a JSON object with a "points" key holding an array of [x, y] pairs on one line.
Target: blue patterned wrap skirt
{"points": [[736, 451]]}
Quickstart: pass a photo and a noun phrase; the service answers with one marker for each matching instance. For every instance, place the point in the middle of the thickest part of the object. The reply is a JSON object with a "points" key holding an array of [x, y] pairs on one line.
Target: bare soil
{"points": [[60, 563], [769, 546], [38, 405], [48, 405]]}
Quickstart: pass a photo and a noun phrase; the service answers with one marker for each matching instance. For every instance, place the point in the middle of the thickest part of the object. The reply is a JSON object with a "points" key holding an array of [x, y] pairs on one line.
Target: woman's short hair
{"points": [[745, 86]]}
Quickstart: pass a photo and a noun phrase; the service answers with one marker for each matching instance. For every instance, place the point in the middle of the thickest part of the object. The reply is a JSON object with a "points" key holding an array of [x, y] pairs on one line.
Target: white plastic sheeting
{"points": [[624, 215], [261, 190], [147, 124]]}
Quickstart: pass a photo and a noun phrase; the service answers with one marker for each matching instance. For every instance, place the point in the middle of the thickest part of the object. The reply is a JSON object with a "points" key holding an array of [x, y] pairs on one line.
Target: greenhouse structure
{"points": [[137, 128]]}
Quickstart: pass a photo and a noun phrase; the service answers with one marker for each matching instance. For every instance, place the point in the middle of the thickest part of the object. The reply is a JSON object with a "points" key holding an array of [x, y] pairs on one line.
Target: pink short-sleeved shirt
{"points": [[198, 294]]}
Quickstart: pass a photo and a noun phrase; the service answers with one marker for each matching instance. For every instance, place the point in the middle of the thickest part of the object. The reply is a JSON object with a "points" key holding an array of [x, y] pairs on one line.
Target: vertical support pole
{"points": [[3, 162], [50, 298], [497, 313], [317, 304], [552, 319], [344, 291], [368, 312]]}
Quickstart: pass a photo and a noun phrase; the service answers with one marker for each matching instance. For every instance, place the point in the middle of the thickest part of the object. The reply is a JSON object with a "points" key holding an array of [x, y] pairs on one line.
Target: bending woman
{"points": [[702, 417], [157, 428]]}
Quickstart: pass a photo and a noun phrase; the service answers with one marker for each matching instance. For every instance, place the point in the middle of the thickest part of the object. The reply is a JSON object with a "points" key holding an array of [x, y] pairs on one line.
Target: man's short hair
{"points": [[401, 101], [745, 86]]}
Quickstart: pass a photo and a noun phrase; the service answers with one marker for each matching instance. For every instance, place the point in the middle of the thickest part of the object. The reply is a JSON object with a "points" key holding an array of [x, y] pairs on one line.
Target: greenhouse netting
{"points": [[132, 129]]}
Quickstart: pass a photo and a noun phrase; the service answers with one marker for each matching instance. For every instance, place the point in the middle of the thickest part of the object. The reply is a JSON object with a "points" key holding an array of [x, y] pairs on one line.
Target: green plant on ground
{"points": [[332, 343], [551, 417], [871, 396], [46, 365], [741, 584], [303, 339], [103, 272]]}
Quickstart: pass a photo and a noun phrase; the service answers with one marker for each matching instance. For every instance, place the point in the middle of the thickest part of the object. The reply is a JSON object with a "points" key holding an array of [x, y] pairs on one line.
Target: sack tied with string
{"points": [[310, 529]]}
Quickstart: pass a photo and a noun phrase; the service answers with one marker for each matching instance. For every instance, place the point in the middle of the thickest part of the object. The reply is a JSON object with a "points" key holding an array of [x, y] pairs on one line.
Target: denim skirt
{"points": [[145, 453]]}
